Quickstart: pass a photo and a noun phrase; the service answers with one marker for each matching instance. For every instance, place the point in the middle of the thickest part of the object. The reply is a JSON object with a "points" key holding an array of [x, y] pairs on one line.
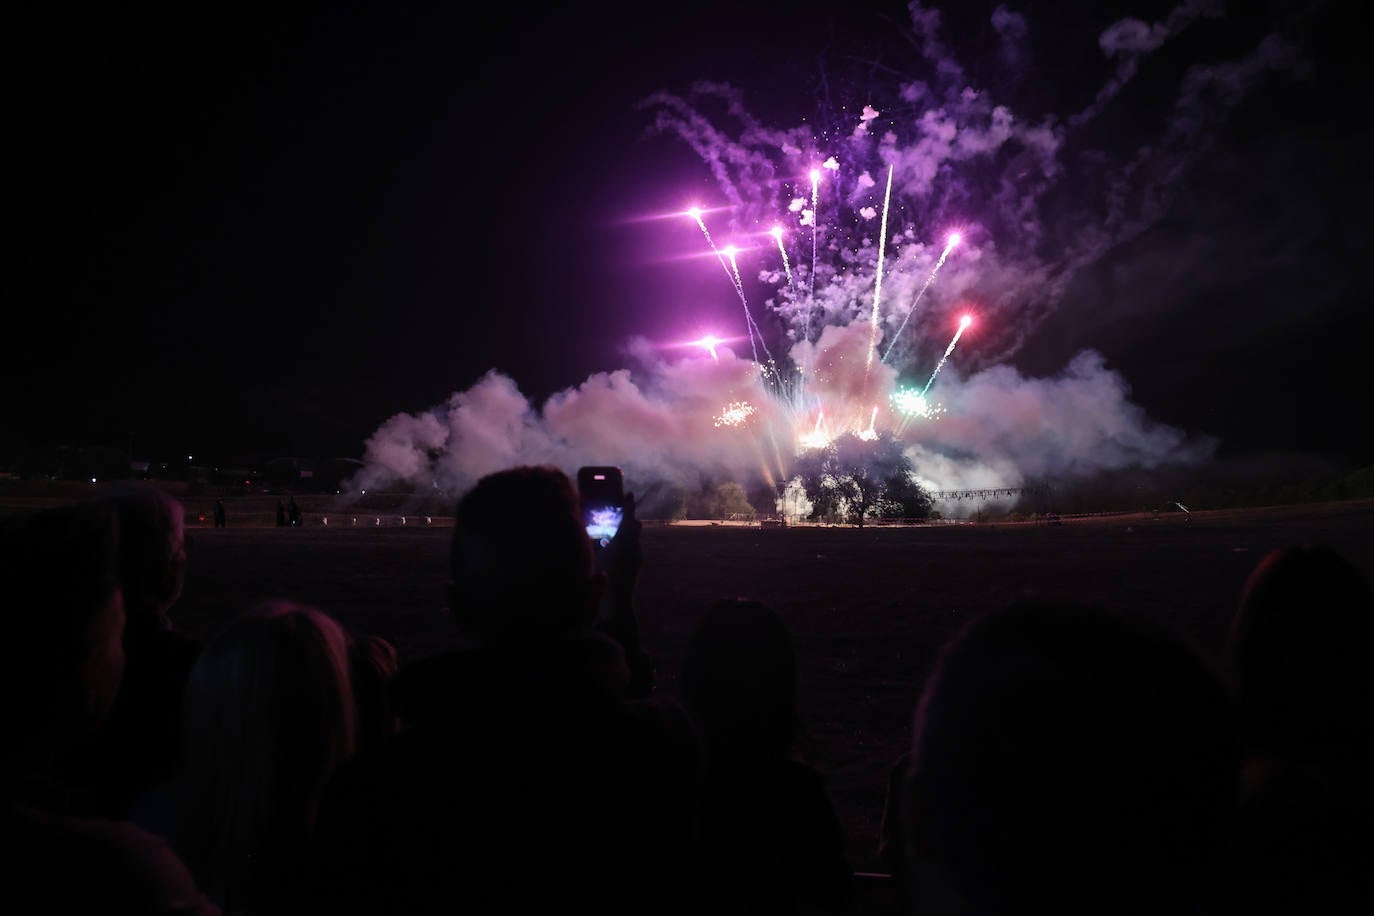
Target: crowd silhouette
{"points": [[1065, 758]]}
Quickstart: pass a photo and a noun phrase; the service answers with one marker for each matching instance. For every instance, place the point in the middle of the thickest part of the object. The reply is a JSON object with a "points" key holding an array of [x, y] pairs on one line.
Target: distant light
{"points": [[709, 342], [954, 239], [965, 321], [694, 213], [729, 251], [776, 232], [92, 480], [364, 492], [815, 175], [188, 457]]}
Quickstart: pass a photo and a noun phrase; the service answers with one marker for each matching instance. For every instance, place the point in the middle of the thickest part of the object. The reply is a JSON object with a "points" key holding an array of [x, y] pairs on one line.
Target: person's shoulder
{"points": [[801, 778], [126, 866], [160, 651], [431, 686], [181, 646]]}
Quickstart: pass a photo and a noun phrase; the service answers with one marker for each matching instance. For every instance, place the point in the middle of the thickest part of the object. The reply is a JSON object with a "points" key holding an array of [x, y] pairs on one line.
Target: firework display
{"points": [[786, 387], [891, 252]]}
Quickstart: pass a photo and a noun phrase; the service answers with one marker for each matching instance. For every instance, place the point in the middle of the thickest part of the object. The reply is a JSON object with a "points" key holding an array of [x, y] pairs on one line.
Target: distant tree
{"points": [[814, 469], [675, 507], [764, 498], [730, 501], [721, 500], [855, 479]]}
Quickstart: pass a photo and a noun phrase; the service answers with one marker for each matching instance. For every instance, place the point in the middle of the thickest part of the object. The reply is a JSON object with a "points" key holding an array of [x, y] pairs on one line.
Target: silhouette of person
{"points": [[373, 664], [139, 744], [281, 514], [220, 521], [269, 715], [63, 604], [770, 839], [1297, 648], [525, 780], [293, 512], [1298, 653], [1069, 760]]}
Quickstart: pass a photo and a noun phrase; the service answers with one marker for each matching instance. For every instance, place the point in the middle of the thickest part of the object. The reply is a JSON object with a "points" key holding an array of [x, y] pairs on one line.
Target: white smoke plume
{"points": [[1034, 202]]}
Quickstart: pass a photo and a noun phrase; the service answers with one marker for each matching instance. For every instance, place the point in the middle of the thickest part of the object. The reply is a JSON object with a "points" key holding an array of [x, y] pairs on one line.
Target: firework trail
{"points": [[815, 228], [752, 325], [815, 224], [732, 271], [726, 257], [953, 241], [878, 278], [817, 438], [871, 433], [776, 232], [963, 323]]}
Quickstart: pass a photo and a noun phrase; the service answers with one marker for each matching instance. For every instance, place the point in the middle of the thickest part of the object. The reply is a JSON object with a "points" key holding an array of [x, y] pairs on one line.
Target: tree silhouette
{"points": [[858, 479]]}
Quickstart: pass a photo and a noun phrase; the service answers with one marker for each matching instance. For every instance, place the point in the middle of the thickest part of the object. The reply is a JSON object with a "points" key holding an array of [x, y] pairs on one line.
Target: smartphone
{"points": [[601, 491]]}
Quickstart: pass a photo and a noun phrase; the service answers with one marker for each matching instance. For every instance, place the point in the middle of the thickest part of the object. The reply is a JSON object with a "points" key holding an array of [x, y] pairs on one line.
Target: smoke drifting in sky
{"points": [[1034, 202]]}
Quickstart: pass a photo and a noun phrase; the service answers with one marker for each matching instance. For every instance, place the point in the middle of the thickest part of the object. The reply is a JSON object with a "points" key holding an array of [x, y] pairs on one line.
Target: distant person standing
{"points": [[219, 514], [294, 512], [281, 514]]}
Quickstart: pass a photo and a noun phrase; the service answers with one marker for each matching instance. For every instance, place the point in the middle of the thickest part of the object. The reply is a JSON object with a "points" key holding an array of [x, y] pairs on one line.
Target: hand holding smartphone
{"points": [[601, 490]]}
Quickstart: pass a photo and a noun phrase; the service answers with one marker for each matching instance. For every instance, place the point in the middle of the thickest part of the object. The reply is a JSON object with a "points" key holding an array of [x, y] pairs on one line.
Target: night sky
{"points": [[246, 231]]}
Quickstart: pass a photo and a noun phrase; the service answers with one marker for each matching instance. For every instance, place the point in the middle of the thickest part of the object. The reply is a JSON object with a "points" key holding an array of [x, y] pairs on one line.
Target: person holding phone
{"points": [[608, 513], [527, 779]]}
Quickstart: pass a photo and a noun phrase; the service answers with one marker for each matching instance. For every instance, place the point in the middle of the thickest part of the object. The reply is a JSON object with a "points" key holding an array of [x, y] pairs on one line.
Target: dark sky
{"points": [[243, 230]]}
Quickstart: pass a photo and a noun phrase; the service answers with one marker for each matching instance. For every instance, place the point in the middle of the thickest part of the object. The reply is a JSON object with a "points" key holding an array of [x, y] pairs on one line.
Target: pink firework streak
{"points": [[954, 239], [732, 271], [878, 279], [776, 232], [963, 323]]}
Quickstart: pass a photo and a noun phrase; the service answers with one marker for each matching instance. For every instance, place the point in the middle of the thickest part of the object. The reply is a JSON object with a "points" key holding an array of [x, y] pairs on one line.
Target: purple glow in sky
{"points": [[956, 155]]}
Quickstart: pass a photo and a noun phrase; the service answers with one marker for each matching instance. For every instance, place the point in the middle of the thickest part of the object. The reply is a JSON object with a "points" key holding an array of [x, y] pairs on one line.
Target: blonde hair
{"points": [[268, 717]]}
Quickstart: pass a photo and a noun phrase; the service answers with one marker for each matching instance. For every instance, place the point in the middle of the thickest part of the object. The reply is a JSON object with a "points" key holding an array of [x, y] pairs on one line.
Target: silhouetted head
{"points": [[739, 682], [372, 664], [1299, 649], [521, 559], [64, 624], [152, 550], [1072, 760], [268, 715]]}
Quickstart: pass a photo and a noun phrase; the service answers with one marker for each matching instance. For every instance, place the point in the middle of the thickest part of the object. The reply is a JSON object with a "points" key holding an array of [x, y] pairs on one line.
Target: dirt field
{"points": [[868, 608]]}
